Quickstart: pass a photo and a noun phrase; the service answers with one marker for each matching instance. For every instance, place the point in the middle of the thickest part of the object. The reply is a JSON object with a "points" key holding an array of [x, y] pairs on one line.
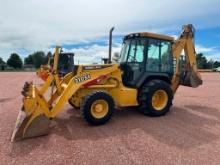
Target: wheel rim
{"points": [[159, 100], [99, 109]]}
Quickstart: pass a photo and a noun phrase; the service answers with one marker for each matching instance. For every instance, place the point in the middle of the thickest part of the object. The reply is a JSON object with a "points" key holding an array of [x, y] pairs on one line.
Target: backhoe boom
{"points": [[188, 74]]}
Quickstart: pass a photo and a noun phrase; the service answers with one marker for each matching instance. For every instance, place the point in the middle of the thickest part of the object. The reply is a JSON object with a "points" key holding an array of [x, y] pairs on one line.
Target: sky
{"points": [[82, 26]]}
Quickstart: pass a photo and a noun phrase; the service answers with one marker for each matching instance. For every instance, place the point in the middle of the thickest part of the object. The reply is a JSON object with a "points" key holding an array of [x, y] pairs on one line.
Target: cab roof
{"points": [[150, 35]]}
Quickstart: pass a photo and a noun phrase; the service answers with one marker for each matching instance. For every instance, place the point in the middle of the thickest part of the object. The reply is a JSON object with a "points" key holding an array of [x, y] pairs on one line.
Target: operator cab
{"points": [[146, 55]]}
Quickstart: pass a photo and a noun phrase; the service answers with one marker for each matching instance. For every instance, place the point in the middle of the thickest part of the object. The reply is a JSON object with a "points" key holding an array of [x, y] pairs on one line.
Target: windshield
{"points": [[124, 51], [132, 50]]}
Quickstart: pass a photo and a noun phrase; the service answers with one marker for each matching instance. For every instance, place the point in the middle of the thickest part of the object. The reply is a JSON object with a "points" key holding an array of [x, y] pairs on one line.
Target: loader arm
{"points": [[187, 75]]}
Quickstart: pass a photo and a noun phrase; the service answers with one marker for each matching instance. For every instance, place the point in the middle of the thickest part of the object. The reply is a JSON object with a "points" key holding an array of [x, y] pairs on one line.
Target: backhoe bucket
{"points": [[190, 78], [31, 120]]}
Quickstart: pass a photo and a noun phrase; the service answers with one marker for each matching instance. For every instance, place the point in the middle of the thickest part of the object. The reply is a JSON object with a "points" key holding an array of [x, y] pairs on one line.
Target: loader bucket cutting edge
{"points": [[30, 126]]}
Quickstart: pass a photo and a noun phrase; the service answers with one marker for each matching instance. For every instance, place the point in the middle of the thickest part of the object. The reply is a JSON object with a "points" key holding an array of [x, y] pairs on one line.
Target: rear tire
{"points": [[98, 108], [155, 98]]}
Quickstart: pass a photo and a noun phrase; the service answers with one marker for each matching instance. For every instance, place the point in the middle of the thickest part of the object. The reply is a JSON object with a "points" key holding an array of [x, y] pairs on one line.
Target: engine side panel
{"points": [[111, 83]]}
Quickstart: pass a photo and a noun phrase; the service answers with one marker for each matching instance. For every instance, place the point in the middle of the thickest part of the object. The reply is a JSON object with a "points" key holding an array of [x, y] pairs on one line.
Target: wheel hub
{"points": [[99, 108], [159, 100]]}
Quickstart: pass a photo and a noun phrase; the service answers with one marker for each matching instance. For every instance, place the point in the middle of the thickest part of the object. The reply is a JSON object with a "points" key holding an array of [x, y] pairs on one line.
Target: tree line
{"points": [[36, 60], [40, 58], [203, 63]]}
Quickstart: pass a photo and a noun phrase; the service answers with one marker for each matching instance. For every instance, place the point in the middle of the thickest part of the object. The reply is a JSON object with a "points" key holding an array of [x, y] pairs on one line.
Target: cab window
{"points": [[136, 52], [158, 56]]}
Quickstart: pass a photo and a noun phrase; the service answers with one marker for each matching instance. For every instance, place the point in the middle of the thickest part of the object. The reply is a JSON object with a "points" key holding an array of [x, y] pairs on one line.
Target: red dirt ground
{"points": [[188, 134]]}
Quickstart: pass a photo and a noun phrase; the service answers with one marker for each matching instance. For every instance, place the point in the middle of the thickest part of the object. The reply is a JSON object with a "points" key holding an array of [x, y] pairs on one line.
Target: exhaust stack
{"points": [[110, 45]]}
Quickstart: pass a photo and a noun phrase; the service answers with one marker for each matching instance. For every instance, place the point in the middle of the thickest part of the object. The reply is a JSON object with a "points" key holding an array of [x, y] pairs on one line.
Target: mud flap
{"points": [[30, 126]]}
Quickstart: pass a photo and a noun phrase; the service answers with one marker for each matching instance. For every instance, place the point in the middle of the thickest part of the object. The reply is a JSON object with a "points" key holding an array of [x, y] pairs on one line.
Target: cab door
{"points": [[134, 66]]}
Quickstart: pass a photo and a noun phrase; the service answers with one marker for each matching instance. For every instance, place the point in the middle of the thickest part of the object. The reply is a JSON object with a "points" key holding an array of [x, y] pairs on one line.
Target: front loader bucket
{"points": [[31, 120], [29, 126]]}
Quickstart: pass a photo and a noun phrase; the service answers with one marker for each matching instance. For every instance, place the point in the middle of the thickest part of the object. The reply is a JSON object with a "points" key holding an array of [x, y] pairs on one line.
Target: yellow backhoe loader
{"points": [[147, 76]]}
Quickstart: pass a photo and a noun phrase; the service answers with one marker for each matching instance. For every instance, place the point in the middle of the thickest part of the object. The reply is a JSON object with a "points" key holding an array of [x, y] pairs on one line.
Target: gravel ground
{"points": [[188, 134]]}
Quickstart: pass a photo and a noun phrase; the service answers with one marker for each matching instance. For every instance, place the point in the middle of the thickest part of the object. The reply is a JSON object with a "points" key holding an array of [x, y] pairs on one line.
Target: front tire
{"points": [[98, 108], [155, 98]]}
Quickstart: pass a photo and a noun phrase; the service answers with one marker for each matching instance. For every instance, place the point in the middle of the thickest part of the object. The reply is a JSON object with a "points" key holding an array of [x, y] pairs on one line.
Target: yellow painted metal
{"points": [[103, 86], [56, 59], [57, 83], [124, 96], [99, 109], [153, 35], [67, 77], [185, 42], [159, 100], [157, 36], [34, 101], [46, 84]]}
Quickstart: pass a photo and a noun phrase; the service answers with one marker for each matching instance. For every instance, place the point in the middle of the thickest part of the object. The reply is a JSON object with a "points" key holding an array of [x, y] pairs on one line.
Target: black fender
{"points": [[150, 76]]}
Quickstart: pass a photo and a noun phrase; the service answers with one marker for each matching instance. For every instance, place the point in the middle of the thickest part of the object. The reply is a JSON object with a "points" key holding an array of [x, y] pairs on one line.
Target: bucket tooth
{"points": [[24, 93]]}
